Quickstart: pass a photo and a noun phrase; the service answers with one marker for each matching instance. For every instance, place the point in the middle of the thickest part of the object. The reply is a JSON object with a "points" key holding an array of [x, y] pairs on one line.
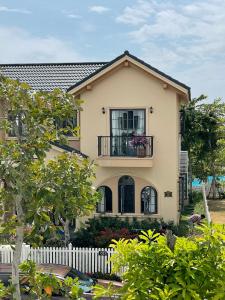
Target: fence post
{"points": [[208, 217], [70, 254]]}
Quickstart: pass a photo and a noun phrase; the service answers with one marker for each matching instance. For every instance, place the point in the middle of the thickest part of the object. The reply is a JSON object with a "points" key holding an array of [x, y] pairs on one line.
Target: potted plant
{"points": [[140, 142]]}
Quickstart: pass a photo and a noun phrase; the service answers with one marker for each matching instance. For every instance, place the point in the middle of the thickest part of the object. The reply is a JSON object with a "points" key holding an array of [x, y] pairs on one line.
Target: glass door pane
{"points": [[124, 125]]}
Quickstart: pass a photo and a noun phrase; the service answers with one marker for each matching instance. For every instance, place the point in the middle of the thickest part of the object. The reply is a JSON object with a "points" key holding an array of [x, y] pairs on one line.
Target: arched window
{"points": [[126, 194], [105, 204], [149, 200]]}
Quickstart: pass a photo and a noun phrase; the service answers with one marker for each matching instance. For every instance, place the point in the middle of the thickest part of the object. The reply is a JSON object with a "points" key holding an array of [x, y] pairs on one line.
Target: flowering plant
{"points": [[139, 140]]}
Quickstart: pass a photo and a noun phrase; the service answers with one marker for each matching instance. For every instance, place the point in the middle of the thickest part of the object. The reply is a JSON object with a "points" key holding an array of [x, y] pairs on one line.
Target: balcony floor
{"points": [[125, 162]]}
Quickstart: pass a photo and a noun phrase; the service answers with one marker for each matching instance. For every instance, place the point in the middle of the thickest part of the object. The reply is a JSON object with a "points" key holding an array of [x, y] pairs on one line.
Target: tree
{"points": [[204, 137], [31, 117], [195, 269], [68, 190], [213, 136], [191, 127]]}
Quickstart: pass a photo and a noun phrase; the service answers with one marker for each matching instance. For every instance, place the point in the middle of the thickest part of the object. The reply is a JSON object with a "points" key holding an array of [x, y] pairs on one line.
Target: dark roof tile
{"points": [[49, 76]]}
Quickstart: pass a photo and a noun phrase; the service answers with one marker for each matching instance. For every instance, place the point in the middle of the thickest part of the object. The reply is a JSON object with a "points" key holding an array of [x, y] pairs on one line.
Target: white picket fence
{"points": [[87, 260]]}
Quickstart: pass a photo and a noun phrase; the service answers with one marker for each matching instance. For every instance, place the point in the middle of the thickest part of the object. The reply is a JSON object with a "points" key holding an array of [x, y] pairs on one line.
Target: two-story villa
{"points": [[130, 126]]}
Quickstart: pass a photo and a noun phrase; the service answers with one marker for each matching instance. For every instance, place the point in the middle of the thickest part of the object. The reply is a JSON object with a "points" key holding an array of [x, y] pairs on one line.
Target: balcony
{"points": [[125, 151]]}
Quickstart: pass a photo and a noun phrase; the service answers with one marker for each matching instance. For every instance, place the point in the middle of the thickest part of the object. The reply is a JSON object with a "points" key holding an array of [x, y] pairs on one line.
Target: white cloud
{"points": [[136, 14], [195, 36], [184, 40], [14, 10], [98, 9], [71, 14], [19, 46], [195, 24], [161, 58]]}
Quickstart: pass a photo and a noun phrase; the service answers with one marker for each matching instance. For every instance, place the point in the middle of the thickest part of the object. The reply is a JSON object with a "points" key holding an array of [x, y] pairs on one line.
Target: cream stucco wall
{"points": [[131, 87]]}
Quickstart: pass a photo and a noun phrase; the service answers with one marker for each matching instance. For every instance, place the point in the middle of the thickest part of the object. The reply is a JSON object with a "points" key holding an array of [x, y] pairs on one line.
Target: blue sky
{"points": [[185, 39]]}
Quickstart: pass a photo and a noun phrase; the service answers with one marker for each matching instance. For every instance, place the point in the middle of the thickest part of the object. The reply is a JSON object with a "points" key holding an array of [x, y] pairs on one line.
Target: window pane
{"points": [[67, 124], [127, 122], [105, 205], [124, 125], [124, 121], [149, 200], [136, 118], [17, 123]]}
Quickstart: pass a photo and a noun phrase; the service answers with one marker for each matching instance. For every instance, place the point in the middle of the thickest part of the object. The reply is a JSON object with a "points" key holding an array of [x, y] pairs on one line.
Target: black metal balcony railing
{"points": [[134, 146]]}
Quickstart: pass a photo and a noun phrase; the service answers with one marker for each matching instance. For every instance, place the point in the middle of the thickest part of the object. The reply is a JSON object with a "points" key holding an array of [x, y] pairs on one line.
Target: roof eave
{"points": [[115, 62], [68, 148]]}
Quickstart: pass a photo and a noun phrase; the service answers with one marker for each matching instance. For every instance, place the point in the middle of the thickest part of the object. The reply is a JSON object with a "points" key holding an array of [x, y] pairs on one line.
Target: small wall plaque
{"points": [[168, 194]]}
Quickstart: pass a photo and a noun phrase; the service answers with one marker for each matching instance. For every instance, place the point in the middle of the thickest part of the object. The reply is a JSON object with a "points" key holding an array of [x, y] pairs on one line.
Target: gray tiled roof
{"points": [[49, 76]]}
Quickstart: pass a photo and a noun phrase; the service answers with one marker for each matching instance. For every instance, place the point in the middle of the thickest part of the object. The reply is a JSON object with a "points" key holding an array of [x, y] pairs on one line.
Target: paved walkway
{"points": [[217, 211]]}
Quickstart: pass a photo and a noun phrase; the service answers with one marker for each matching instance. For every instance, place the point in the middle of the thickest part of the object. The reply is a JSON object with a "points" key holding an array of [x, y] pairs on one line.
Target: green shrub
{"points": [[151, 270], [100, 231], [106, 276], [5, 292], [198, 203]]}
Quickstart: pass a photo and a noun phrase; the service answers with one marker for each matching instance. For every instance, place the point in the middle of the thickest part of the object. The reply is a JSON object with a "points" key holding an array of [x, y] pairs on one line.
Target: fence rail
{"points": [[87, 260]]}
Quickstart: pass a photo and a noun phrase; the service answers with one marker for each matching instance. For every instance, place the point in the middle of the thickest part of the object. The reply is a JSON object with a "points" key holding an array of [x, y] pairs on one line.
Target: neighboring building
{"points": [[130, 126]]}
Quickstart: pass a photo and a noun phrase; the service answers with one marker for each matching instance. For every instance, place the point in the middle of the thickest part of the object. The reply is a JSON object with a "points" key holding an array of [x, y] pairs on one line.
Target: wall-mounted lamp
{"points": [[103, 110], [151, 110]]}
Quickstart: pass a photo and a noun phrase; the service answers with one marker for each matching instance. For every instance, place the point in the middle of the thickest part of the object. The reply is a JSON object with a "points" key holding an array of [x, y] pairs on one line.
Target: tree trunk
{"points": [[18, 250], [66, 232]]}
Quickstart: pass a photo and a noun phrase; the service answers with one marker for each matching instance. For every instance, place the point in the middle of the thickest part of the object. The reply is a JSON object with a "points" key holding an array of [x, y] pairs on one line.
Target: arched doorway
{"points": [[105, 204], [126, 187]]}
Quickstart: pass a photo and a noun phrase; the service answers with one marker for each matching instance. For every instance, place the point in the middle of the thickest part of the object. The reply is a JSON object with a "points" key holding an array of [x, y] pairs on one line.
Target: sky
{"points": [[185, 39]]}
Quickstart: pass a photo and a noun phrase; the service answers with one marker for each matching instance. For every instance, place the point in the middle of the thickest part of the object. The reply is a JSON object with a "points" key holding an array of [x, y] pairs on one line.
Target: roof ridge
{"points": [[53, 64]]}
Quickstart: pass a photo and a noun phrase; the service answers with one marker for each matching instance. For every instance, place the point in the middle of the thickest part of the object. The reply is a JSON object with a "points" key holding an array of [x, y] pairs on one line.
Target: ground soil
{"points": [[217, 211]]}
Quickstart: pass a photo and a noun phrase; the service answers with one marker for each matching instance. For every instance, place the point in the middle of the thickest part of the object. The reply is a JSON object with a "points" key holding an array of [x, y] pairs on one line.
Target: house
{"points": [[130, 126]]}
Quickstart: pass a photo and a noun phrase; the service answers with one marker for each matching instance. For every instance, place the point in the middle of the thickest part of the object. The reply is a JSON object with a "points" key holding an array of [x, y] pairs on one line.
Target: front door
{"points": [[126, 195]]}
